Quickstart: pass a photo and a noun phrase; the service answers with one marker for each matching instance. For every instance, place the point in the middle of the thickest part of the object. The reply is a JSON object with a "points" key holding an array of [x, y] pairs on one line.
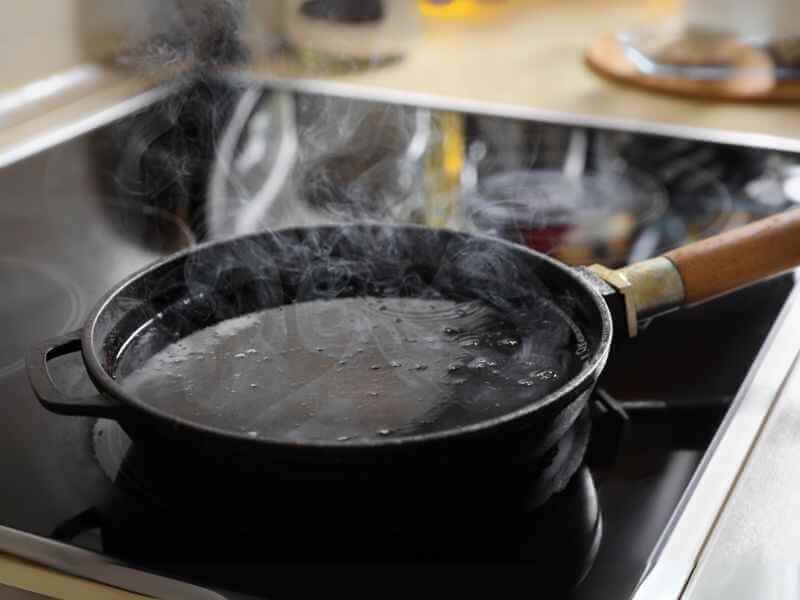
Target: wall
{"points": [[42, 37], [37, 38]]}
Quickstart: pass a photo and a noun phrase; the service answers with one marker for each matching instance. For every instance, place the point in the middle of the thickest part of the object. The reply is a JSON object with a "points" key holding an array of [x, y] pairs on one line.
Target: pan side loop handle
{"points": [[45, 389], [739, 257]]}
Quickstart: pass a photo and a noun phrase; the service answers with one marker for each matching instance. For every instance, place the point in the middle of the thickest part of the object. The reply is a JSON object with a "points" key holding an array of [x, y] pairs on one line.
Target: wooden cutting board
{"points": [[606, 56]]}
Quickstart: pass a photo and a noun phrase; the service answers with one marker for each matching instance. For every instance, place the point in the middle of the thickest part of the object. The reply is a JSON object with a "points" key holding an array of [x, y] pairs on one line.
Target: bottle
{"points": [[461, 10]]}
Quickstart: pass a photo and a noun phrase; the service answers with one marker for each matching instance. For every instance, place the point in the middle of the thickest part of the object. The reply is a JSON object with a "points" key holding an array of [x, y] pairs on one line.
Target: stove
{"points": [[79, 496]]}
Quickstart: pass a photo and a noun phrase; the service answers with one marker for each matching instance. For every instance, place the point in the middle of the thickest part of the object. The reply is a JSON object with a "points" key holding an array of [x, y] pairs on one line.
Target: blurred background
{"points": [[474, 114], [592, 130]]}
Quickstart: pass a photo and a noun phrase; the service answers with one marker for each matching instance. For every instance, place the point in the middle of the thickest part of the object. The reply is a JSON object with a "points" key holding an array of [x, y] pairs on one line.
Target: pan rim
{"points": [[110, 387]]}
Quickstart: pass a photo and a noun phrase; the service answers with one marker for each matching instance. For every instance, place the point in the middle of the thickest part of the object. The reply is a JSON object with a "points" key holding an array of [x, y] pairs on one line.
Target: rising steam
{"points": [[184, 37], [217, 155]]}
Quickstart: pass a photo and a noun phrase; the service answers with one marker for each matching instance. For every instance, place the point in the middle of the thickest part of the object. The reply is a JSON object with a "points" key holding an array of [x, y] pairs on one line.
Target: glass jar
{"points": [[365, 31]]}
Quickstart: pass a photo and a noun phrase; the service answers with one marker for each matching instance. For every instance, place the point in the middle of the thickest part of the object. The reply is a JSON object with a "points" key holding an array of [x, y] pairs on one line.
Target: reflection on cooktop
{"points": [[36, 302]]}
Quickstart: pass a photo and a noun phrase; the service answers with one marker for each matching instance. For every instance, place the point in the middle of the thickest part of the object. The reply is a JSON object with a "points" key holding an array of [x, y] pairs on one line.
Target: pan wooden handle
{"points": [[706, 269], [744, 255]]}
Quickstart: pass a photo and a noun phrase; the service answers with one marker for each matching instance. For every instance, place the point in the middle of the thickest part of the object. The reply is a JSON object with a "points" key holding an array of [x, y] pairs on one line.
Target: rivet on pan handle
{"points": [[47, 392]]}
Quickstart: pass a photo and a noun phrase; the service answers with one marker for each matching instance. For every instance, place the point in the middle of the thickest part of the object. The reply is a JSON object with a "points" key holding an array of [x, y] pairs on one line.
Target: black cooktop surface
{"points": [[68, 234]]}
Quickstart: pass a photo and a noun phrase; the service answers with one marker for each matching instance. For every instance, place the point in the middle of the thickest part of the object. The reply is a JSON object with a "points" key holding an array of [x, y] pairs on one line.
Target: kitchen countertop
{"points": [[66, 104], [754, 550], [23, 576], [527, 60]]}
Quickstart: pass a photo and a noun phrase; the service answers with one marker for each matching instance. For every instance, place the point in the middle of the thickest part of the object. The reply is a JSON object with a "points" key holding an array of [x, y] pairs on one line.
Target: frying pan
{"points": [[488, 462]]}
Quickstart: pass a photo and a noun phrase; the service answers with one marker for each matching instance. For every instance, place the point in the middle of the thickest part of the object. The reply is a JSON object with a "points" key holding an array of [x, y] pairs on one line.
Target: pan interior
{"points": [[332, 336]]}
